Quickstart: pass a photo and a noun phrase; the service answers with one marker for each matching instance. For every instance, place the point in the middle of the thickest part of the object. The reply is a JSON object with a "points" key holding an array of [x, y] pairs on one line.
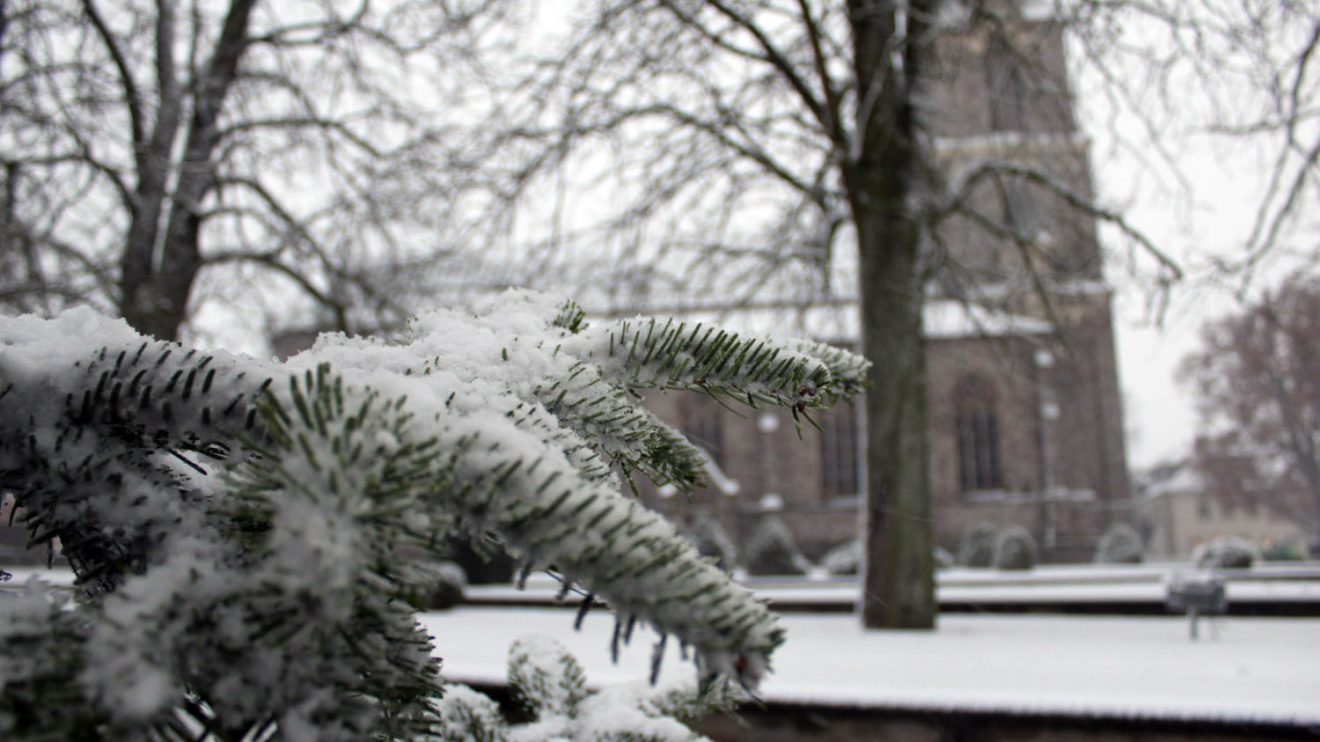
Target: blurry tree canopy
{"points": [[301, 144], [1258, 374], [1241, 76]]}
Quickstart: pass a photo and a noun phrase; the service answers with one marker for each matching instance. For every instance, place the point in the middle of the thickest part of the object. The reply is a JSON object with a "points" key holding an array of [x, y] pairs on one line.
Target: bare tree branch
{"points": [[960, 191], [140, 141], [132, 98], [776, 58]]}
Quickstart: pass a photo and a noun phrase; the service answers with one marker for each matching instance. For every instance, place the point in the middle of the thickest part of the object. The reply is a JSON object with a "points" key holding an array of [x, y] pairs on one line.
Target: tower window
{"points": [[1019, 206], [1006, 86], [703, 426], [978, 435], [839, 452]]}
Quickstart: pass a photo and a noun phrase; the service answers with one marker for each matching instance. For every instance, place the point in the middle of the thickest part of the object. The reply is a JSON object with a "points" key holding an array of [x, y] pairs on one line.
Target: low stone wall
{"points": [[814, 723], [786, 723]]}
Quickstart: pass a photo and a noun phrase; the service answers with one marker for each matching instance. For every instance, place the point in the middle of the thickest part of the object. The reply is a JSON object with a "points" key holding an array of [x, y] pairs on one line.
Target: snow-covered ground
{"points": [[1055, 585], [1139, 584], [1251, 670], [20, 575], [1243, 670]]}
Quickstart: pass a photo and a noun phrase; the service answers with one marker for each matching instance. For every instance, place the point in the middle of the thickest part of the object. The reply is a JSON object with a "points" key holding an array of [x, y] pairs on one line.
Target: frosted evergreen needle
{"points": [[250, 537]]}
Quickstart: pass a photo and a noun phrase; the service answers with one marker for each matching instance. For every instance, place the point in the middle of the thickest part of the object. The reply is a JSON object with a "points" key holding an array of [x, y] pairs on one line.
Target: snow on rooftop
{"points": [[958, 13], [1039, 10], [1177, 479], [1250, 670], [839, 322], [951, 319]]}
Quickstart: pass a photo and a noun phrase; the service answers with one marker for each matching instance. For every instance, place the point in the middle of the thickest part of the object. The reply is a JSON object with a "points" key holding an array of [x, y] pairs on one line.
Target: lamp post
{"points": [[1047, 411]]}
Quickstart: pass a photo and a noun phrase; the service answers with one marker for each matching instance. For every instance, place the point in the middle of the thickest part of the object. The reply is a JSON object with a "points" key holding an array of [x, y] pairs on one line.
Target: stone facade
{"points": [[1051, 455], [1025, 420]]}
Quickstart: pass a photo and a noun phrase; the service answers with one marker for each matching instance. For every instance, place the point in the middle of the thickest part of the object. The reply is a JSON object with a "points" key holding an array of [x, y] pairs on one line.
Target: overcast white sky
{"points": [[1213, 219], [1208, 214]]}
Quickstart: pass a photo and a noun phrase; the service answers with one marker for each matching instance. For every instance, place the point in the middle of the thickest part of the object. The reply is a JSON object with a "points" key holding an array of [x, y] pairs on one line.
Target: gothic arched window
{"points": [[1006, 86], [1019, 206], [840, 474], [978, 435], [703, 426]]}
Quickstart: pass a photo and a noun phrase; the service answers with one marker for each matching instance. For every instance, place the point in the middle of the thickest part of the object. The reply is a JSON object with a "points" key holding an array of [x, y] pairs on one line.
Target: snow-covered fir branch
{"points": [[551, 687], [235, 524]]}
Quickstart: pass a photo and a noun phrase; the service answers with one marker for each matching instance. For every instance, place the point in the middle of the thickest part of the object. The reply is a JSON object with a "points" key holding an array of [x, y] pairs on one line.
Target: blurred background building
{"points": [[1025, 415]]}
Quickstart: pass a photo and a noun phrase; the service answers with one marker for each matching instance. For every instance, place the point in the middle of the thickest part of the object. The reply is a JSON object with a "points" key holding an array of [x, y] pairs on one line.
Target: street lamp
{"points": [[1047, 411]]}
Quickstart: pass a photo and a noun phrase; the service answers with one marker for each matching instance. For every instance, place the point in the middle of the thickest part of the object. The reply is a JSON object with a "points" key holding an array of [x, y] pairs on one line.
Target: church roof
{"points": [[839, 322]]}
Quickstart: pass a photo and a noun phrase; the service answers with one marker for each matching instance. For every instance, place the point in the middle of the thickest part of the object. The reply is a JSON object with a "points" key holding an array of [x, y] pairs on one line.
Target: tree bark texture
{"points": [[161, 256], [883, 181]]}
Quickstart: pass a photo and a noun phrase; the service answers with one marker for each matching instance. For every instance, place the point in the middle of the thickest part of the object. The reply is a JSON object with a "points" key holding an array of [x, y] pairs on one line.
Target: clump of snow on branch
{"points": [[551, 687], [238, 526]]}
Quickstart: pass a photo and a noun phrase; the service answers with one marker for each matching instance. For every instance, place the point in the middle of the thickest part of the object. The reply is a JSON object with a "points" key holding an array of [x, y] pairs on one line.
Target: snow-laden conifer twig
{"points": [[551, 687], [235, 521]]}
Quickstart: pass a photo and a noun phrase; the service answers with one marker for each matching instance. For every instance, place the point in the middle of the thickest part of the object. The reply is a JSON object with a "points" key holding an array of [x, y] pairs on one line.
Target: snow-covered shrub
{"points": [[844, 559], [978, 546], [447, 587], [551, 687], [772, 550], [237, 525], [711, 540], [1120, 544], [1015, 549], [1225, 552], [847, 558]]}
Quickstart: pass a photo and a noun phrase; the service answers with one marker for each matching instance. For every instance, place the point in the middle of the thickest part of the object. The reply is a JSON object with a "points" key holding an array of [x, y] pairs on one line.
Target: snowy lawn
{"points": [[1258, 670], [1056, 585], [1247, 669], [1140, 584], [20, 575]]}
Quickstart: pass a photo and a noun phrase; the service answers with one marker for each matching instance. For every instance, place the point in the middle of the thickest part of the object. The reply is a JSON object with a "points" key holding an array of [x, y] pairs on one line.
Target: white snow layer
{"points": [[841, 322], [1242, 670]]}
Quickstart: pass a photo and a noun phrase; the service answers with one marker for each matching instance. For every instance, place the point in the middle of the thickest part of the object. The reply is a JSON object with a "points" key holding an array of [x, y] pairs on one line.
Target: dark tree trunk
{"points": [[138, 280], [158, 271], [899, 581], [883, 182]]}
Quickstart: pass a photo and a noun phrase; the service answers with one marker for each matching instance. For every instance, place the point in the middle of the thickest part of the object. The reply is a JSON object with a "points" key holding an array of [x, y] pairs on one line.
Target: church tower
{"points": [[1025, 419]]}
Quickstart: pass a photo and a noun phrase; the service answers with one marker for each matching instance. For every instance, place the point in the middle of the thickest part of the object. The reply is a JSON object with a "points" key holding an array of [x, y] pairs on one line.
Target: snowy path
{"points": [[1256, 670]]}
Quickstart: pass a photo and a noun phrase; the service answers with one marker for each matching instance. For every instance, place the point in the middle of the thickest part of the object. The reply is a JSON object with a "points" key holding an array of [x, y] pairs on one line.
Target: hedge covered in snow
{"points": [[1225, 552], [1015, 549], [1120, 544], [236, 525]]}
